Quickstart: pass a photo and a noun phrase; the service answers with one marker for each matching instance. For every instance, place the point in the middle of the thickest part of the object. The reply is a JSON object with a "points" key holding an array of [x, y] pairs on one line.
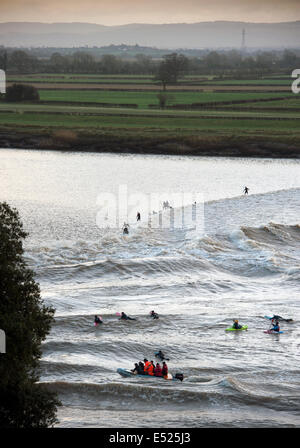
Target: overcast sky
{"points": [[117, 12]]}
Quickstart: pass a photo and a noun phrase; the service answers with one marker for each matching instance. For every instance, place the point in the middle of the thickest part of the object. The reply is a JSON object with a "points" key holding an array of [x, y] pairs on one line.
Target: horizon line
{"points": [[152, 23]]}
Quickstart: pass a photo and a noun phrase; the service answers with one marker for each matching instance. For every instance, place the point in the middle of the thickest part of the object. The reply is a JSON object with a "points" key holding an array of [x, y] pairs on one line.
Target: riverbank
{"points": [[151, 143]]}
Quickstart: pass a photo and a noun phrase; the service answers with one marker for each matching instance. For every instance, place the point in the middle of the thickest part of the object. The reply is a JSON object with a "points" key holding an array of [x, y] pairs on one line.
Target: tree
{"points": [[110, 64], [26, 322], [3, 60], [21, 92], [169, 70], [82, 62], [164, 98], [58, 63], [21, 62]]}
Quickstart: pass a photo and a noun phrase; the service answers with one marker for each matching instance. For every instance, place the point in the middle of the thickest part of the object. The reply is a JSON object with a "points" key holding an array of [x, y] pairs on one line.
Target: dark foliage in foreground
{"points": [[26, 322]]}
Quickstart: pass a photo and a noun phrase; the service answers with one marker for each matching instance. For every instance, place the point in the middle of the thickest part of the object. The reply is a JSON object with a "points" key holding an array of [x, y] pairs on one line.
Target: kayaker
{"points": [[165, 369], [158, 370], [125, 317], [275, 327], [154, 314], [236, 325], [98, 320]]}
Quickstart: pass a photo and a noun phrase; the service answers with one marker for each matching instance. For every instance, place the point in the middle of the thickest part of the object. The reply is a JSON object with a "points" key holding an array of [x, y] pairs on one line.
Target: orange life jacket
{"points": [[146, 367], [151, 369]]}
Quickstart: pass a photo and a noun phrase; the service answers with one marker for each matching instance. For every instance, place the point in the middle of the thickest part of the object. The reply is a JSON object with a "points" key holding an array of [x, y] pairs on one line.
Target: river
{"points": [[240, 261]]}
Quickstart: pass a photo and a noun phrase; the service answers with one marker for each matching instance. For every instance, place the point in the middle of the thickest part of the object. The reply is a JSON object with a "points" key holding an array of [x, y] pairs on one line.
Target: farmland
{"points": [[120, 109]]}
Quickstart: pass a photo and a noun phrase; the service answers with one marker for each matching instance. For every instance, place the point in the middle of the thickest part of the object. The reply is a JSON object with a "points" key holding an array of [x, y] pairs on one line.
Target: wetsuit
{"points": [[136, 369], [157, 370], [275, 327], [125, 317], [165, 369], [141, 369], [161, 356]]}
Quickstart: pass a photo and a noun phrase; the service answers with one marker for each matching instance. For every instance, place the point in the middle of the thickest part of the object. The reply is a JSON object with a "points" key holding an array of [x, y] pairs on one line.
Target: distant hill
{"points": [[219, 34]]}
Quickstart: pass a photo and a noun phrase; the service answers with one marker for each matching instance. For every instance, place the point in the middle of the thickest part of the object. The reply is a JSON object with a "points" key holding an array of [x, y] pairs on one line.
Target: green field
{"points": [[67, 79], [253, 82], [160, 122], [284, 105], [143, 99], [79, 78], [225, 116]]}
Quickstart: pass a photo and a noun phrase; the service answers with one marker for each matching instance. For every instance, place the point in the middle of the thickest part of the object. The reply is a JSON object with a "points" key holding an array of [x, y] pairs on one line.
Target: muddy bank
{"points": [[226, 146]]}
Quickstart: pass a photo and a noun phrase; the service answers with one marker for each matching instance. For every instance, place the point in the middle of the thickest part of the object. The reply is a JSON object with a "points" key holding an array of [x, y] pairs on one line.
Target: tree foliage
{"points": [[169, 70], [130, 60], [21, 92], [26, 322]]}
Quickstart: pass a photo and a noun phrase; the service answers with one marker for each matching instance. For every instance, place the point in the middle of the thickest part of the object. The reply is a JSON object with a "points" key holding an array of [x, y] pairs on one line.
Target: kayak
{"points": [[273, 332], [128, 374], [244, 327]]}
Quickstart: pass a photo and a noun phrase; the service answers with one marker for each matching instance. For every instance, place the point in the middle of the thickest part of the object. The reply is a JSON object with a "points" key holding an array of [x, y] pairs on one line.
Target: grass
{"points": [[80, 111], [124, 122], [96, 78], [292, 103], [65, 109], [258, 82], [143, 99]]}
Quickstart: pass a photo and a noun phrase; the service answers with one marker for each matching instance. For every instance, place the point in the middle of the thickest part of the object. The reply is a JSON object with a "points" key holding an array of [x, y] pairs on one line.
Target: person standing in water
{"points": [[138, 216], [125, 228], [246, 190]]}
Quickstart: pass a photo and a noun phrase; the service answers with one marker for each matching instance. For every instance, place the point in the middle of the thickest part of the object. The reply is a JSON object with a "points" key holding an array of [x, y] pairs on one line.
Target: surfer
{"points": [[154, 315], [138, 216], [125, 228], [125, 317], [98, 320], [246, 189], [279, 318], [236, 325], [161, 355]]}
